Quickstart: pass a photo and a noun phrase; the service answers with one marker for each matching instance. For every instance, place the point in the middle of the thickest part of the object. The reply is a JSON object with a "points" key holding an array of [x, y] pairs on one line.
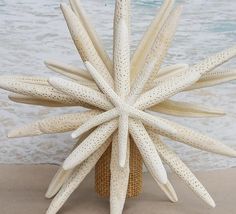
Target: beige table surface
{"points": [[22, 189]]}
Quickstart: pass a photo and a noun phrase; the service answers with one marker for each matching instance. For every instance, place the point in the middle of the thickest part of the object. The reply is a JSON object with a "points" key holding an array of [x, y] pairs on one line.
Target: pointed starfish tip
{"points": [[11, 134], [221, 113], [170, 192], [48, 194], [229, 152], [211, 202], [46, 62], [67, 165], [173, 196], [175, 199], [74, 135], [234, 153], [63, 5], [49, 62]]}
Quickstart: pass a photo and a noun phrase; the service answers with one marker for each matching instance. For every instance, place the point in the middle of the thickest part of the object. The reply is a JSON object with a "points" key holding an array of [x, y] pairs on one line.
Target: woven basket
{"points": [[103, 175]]}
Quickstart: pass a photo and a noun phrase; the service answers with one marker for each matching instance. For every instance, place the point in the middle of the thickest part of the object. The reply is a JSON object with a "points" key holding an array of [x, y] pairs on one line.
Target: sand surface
{"points": [[22, 191]]}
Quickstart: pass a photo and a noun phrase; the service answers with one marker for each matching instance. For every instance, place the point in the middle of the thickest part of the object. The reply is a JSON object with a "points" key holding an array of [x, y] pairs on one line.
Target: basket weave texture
{"points": [[103, 174]]}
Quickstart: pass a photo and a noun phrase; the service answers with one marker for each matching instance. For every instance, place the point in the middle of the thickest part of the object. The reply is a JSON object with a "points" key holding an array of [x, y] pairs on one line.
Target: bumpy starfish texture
{"points": [[118, 92]]}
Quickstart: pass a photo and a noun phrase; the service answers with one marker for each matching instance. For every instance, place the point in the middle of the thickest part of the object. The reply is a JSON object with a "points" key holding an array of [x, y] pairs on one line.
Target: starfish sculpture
{"points": [[118, 94]]}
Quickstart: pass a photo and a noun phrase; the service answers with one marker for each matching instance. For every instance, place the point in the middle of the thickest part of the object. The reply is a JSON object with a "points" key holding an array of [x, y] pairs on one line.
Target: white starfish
{"points": [[118, 93]]}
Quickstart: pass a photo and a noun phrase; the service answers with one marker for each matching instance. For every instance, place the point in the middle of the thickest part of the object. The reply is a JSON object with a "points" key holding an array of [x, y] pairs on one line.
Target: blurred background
{"points": [[32, 31]]}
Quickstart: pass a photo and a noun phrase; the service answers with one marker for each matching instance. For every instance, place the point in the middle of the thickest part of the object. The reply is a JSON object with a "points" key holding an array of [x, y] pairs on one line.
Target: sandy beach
{"points": [[23, 188]]}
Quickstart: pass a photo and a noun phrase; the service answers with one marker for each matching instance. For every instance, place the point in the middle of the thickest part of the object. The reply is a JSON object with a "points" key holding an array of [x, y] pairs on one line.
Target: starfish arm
{"points": [[122, 138], [62, 175], [169, 190], [139, 83], [170, 69], [181, 169], [95, 140], [166, 89], [71, 72], [58, 180], [214, 61], [62, 68], [156, 55], [166, 73], [83, 42], [165, 38], [119, 177], [75, 179], [182, 80], [18, 98], [37, 80], [95, 121], [122, 11], [56, 124], [148, 39], [121, 53], [104, 87], [148, 151], [166, 188], [159, 124], [122, 59], [213, 78], [37, 91], [81, 13], [184, 109], [208, 79], [80, 92], [198, 140]]}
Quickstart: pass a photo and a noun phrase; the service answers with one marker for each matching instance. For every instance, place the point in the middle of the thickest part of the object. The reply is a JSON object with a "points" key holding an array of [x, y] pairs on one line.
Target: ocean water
{"points": [[32, 31]]}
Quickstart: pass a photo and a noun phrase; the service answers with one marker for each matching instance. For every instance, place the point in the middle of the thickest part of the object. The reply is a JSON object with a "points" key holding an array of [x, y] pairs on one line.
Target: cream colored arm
{"points": [[184, 109], [56, 124], [81, 93], [213, 78], [146, 42], [84, 44], [183, 80], [119, 177], [96, 139], [75, 179], [181, 169], [37, 91], [81, 13], [62, 175], [147, 150]]}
